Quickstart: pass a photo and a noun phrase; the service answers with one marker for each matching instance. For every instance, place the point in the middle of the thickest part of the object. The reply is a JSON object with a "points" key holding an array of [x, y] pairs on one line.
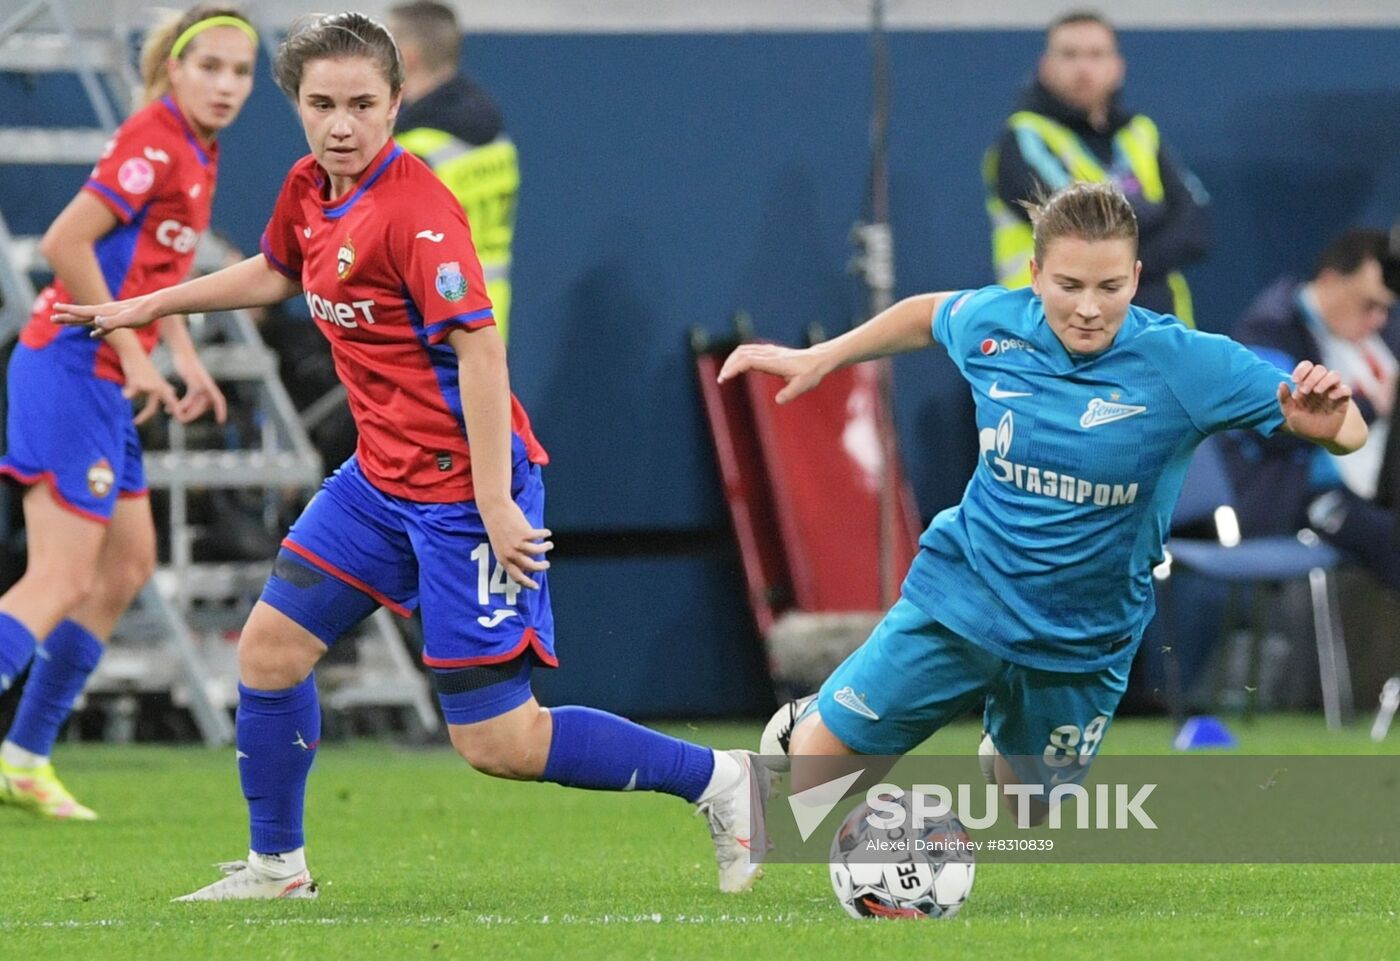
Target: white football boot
{"points": [[257, 879], [777, 734], [735, 814]]}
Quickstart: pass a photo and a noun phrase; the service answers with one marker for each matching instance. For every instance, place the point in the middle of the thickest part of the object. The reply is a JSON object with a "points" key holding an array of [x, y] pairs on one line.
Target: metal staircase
{"points": [[40, 37], [178, 637]]}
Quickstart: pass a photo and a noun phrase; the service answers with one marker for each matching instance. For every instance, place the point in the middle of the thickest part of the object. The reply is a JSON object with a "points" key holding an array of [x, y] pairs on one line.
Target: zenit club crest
{"points": [[450, 282], [100, 478], [345, 258]]}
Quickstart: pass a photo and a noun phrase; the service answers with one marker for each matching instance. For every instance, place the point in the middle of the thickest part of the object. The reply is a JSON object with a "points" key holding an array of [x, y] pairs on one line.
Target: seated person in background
{"points": [[1339, 319]]}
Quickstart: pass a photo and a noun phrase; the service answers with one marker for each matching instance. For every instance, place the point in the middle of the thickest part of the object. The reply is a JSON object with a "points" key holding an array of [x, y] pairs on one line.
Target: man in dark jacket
{"points": [[1338, 318], [456, 128], [1070, 127]]}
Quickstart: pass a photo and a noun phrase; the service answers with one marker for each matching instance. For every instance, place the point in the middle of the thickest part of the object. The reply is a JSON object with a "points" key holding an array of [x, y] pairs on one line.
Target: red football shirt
{"points": [[157, 177], [389, 271]]}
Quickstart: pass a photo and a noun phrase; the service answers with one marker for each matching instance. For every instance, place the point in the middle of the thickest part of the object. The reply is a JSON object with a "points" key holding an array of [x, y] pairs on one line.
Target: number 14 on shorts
{"points": [[492, 581]]}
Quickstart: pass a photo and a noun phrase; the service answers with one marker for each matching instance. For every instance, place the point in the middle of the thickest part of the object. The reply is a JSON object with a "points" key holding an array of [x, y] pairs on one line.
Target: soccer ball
{"points": [[901, 872]]}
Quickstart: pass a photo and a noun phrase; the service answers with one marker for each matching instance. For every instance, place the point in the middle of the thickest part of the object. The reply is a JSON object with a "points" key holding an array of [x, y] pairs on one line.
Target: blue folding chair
{"points": [[1266, 564]]}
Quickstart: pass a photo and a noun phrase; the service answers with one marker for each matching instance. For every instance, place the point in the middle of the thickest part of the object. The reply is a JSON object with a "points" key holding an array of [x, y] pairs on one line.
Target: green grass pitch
{"points": [[419, 857]]}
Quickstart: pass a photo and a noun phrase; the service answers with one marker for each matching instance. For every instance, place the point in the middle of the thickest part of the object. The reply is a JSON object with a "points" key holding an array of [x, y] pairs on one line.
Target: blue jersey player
{"points": [[1031, 595]]}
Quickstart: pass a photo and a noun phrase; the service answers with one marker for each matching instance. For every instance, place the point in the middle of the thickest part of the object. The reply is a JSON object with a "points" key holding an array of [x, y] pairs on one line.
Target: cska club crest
{"points": [[450, 283], [100, 478], [345, 258]]}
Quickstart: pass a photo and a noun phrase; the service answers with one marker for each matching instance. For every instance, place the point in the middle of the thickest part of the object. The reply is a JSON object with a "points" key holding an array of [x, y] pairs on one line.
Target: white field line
{"points": [[479, 920]]}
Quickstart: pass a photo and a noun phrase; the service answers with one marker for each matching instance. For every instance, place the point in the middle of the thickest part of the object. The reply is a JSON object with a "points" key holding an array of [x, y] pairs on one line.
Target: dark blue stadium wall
{"points": [[670, 179]]}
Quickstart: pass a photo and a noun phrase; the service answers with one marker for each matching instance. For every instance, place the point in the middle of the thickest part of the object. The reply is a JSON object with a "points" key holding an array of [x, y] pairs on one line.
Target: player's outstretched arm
{"points": [[251, 283], [485, 385], [1319, 408], [904, 327]]}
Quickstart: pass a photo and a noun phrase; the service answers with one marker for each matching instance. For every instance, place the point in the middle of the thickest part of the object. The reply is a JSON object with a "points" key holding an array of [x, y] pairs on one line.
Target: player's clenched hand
{"points": [[104, 318], [519, 547], [1317, 405], [143, 380], [802, 369]]}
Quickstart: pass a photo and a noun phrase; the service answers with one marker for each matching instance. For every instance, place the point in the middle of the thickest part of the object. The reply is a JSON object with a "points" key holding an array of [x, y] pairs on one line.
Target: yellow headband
{"points": [[195, 29]]}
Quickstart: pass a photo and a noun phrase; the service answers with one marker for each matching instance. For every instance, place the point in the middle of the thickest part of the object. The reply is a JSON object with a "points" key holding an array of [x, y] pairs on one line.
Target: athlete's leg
{"points": [[910, 678], [500, 729], [61, 570], [320, 588], [583, 747], [482, 637], [127, 562], [1047, 726], [277, 730], [482, 644], [337, 564], [818, 753], [84, 545], [72, 461], [63, 550], [813, 740], [72, 650], [278, 725]]}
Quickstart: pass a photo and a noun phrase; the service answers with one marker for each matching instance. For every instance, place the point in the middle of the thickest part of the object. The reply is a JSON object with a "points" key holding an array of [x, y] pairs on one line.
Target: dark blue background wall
{"points": [[671, 179]]}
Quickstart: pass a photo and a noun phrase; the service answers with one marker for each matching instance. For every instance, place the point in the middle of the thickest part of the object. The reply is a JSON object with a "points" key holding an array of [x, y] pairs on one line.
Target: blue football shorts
{"points": [[913, 676], [356, 548], [70, 430]]}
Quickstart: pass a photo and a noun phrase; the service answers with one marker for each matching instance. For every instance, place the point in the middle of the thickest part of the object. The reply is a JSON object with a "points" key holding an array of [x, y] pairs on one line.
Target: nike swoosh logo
{"points": [[238, 755], [496, 617], [1056, 779], [632, 782], [996, 393], [429, 235]]}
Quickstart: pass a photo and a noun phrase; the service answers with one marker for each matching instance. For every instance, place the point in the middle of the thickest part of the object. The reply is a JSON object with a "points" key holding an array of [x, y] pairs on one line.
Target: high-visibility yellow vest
{"points": [[1139, 143], [485, 180]]}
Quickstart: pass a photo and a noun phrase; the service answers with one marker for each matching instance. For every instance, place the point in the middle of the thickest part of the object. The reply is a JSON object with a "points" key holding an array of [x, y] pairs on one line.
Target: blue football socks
{"points": [[16, 648], [603, 752], [277, 733], [61, 668]]}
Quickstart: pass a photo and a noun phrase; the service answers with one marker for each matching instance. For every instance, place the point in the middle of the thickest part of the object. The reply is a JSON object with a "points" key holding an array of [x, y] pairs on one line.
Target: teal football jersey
{"points": [[1048, 559]]}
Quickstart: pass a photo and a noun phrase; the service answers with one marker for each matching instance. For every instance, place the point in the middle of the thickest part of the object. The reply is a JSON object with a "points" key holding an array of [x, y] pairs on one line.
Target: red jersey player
{"points": [[131, 229], [441, 507]]}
